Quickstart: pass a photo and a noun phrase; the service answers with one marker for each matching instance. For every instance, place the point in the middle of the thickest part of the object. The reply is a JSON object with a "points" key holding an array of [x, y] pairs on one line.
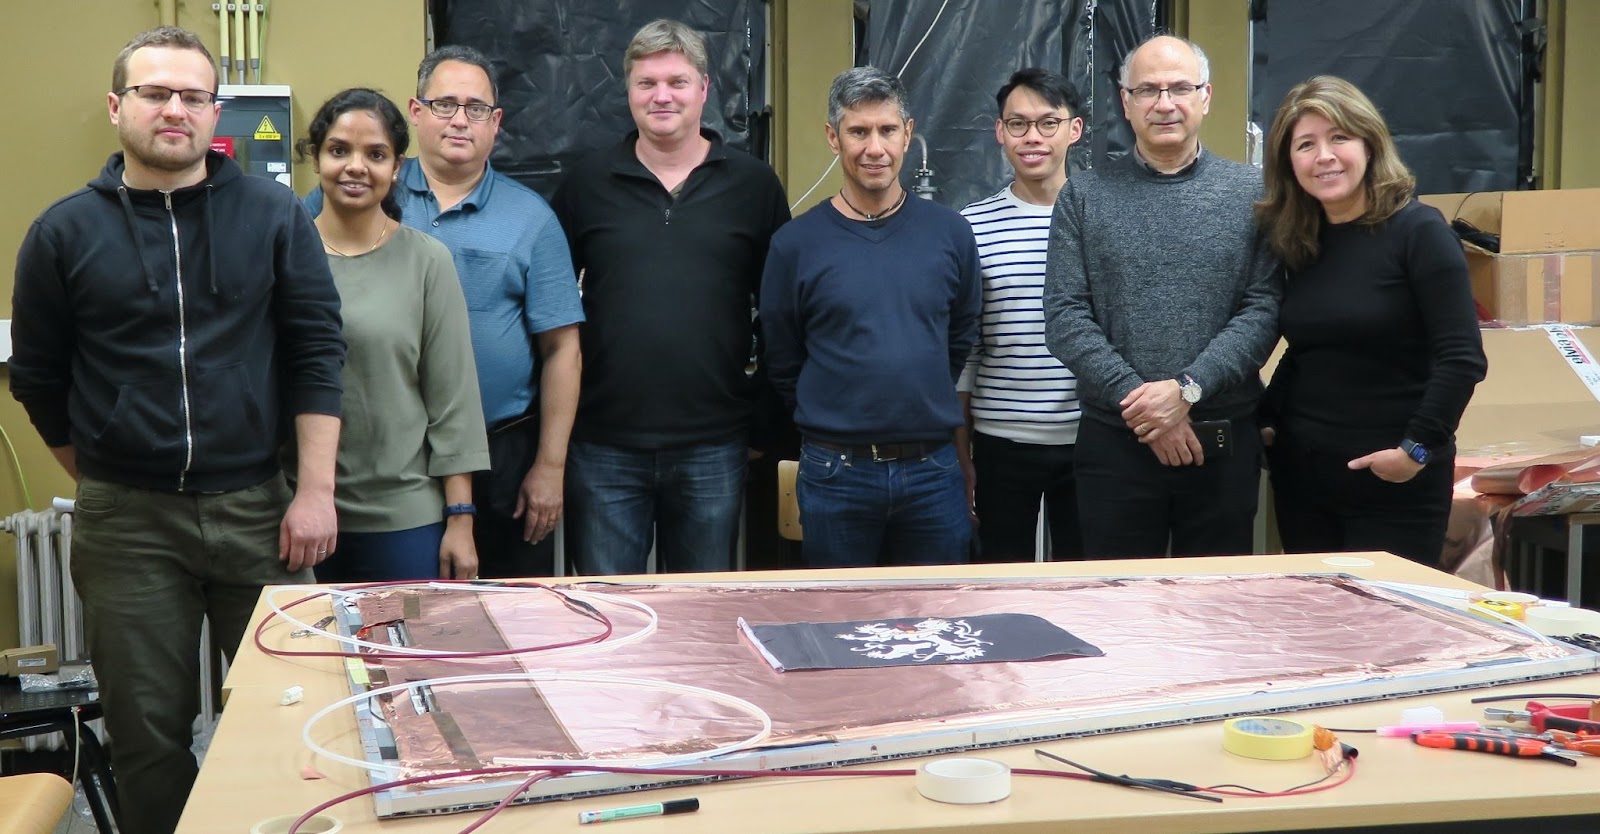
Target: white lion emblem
{"points": [[929, 639]]}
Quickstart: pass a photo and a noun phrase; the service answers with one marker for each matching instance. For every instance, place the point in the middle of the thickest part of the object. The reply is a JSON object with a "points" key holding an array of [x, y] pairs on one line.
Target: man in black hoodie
{"points": [[169, 321]]}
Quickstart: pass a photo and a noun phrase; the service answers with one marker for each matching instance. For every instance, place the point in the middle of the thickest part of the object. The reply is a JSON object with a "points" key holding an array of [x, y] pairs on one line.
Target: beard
{"points": [[160, 154]]}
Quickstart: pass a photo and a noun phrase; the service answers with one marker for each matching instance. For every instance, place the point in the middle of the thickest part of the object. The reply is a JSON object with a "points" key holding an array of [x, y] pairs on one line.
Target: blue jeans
{"points": [[381, 557], [686, 499], [857, 512]]}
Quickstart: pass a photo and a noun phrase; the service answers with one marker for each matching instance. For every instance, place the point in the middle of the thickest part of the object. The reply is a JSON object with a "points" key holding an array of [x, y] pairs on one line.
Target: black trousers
{"points": [[1324, 506], [1012, 477], [502, 553], [1131, 506]]}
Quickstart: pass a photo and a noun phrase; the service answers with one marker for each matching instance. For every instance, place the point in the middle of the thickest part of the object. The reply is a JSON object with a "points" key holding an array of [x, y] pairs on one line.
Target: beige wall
{"points": [[1222, 29], [816, 36], [1573, 120]]}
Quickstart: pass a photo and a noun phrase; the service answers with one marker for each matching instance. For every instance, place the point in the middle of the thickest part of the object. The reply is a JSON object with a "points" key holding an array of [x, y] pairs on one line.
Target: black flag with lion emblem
{"points": [[913, 641]]}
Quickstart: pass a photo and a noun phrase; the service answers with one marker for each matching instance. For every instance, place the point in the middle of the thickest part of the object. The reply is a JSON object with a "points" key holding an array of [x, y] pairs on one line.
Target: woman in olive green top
{"points": [[413, 430]]}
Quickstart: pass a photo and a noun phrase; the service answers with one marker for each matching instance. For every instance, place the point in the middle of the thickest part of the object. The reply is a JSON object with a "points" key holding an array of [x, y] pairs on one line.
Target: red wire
{"points": [[605, 633], [543, 772]]}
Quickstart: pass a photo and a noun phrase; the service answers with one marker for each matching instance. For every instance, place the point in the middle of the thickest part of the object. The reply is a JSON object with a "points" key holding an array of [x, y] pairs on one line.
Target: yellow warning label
{"points": [[265, 132]]}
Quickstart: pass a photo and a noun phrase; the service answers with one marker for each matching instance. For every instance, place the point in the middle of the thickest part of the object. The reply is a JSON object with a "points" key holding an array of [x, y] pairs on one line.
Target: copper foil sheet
{"points": [[1167, 641]]}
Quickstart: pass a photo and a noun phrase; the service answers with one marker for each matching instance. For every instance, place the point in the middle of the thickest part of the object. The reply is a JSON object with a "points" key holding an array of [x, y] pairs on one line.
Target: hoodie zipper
{"points": [[183, 340]]}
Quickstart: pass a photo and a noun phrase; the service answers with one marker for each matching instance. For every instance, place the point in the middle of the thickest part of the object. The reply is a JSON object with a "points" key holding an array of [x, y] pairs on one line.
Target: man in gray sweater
{"points": [[1163, 301]]}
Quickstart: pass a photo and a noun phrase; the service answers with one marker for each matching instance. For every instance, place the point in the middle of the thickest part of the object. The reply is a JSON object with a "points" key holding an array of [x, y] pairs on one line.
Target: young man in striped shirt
{"points": [[1021, 403]]}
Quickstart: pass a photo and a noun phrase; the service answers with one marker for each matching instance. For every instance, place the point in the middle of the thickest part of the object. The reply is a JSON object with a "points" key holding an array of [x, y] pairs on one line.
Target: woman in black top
{"points": [[1384, 350]]}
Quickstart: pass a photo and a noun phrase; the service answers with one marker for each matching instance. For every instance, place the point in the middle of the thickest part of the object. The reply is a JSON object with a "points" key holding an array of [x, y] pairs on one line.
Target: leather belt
{"points": [[884, 452]]}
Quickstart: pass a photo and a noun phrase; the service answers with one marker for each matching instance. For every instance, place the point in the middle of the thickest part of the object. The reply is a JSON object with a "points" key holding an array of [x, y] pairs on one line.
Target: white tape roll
{"points": [[964, 781], [318, 824], [1562, 622]]}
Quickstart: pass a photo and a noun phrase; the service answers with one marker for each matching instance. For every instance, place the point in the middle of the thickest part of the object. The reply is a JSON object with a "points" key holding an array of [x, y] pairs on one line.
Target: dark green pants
{"points": [[149, 566]]}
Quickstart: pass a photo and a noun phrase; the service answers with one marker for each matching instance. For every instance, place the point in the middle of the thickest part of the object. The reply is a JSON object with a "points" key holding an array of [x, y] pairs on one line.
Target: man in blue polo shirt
{"points": [[522, 302]]}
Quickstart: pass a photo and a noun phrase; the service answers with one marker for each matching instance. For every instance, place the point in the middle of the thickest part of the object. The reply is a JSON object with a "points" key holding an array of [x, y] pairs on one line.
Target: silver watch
{"points": [[1188, 389]]}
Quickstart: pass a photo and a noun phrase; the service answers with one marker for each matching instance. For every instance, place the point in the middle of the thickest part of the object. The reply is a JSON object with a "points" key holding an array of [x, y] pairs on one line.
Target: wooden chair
{"points": [[33, 803], [788, 503]]}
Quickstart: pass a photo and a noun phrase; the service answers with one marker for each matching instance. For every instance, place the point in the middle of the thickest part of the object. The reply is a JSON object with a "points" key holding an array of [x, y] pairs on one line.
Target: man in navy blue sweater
{"points": [[870, 306]]}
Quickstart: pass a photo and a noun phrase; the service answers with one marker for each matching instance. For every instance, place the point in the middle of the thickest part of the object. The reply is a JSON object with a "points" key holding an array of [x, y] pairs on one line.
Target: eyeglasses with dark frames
{"points": [[1150, 92], [446, 109], [156, 95], [1047, 126]]}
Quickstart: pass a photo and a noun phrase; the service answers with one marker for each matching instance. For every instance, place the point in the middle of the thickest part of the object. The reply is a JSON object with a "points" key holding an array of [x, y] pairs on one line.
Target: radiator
{"points": [[48, 610]]}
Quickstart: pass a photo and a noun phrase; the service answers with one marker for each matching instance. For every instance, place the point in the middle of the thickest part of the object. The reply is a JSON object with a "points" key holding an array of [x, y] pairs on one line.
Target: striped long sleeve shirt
{"points": [[1019, 391]]}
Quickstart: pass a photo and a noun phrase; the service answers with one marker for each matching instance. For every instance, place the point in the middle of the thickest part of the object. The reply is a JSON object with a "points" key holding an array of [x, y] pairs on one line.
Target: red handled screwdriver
{"points": [[1500, 746]]}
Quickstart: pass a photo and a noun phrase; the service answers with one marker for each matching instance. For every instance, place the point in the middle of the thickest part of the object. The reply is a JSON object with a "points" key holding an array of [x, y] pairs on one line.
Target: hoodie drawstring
{"points": [[133, 229], [211, 244]]}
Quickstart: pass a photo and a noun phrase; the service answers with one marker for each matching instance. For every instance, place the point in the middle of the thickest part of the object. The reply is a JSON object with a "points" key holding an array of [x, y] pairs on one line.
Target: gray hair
{"points": [[1124, 74], [459, 54], [169, 37], [665, 35], [864, 85]]}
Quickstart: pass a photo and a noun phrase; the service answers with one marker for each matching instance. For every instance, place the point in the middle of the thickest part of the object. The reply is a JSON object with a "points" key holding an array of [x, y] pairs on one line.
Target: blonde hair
{"points": [[1290, 218]]}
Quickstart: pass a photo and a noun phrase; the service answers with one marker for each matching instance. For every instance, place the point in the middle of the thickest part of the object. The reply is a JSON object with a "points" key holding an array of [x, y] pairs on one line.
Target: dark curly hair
{"points": [[358, 99]]}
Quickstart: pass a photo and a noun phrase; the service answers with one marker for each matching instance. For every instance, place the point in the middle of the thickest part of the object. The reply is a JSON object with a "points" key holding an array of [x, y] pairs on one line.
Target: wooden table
{"points": [[253, 769]]}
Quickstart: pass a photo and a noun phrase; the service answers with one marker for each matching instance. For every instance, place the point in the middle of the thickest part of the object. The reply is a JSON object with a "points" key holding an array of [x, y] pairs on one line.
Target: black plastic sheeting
{"points": [[1453, 78], [969, 51], [561, 81]]}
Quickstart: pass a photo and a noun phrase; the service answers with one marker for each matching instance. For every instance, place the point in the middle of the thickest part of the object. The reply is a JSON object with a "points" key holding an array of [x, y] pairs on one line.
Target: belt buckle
{"points": [[877, 458]]}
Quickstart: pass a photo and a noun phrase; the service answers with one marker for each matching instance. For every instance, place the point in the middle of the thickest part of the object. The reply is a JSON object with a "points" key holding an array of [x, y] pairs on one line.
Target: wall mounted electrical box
{"points": [[254, 129]]}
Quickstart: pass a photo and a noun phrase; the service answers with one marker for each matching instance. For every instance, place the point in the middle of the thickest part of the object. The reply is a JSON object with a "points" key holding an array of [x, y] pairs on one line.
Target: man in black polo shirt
{"points": [[668, 230]]}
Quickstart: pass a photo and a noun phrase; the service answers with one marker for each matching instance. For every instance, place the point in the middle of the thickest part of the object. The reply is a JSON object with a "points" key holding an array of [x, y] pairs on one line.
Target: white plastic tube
{"points": [[587, 648], [224, 58]]}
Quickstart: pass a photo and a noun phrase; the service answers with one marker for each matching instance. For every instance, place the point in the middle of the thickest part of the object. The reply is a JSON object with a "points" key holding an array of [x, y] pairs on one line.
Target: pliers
{"points": [[1573, 718]]}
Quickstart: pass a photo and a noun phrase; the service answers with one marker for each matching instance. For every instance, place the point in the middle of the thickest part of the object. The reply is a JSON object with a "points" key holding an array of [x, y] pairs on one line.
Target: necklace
{"points": [[328, 246], [880, 215]]}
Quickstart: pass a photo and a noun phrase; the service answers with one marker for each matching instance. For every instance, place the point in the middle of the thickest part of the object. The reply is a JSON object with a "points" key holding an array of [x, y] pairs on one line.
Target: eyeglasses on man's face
{"points": [[446, 109], [1149, 92], [1047, 126], [156, 95]]}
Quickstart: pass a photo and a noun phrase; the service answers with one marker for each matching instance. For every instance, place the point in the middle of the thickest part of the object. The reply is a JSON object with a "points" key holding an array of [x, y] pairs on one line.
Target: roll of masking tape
{"points": [[964, 781], [318, 824], [1504, 609], [1517, 597], [1273, 739]]}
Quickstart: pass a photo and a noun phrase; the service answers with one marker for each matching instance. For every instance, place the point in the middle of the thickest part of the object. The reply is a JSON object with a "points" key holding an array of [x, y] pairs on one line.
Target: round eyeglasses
{"points": [[1047, 126]]}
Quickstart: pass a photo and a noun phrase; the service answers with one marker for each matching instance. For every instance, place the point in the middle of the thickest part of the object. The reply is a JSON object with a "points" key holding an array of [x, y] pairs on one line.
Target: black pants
{"points": [[1012, 477], [502, 552], [1132, 506], [1324, 506]]}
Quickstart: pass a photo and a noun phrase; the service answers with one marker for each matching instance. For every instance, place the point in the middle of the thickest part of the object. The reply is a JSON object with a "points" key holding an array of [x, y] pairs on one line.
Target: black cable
{"points": [[1161, 785], [1347, 730], [1534, 696]]}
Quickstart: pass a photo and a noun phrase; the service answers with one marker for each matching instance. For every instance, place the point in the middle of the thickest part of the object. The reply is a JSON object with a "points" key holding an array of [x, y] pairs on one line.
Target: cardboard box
{"points": [[33, 660], [1539, 396], [1548, 266]]}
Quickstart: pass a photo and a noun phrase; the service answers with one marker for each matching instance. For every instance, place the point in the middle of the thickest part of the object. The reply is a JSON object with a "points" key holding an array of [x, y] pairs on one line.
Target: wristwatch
{"points": [[1188, 389], [460, 509], [1416, 451]]}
